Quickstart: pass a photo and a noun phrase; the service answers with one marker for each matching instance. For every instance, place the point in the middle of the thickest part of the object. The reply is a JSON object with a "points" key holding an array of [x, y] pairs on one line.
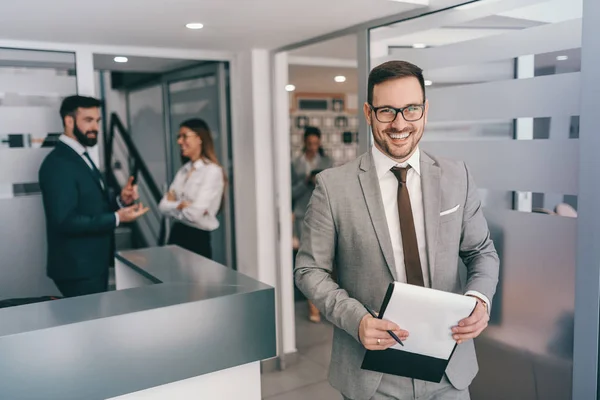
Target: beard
{"points": [[385, 144], [83, 137]]}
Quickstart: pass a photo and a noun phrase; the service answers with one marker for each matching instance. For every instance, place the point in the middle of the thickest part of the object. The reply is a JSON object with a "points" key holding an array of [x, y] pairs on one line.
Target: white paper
{"points": [[428, 315]]}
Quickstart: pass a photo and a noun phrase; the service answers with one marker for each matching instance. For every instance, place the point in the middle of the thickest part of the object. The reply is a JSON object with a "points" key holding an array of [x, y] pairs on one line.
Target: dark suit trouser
{"points": [[82, 287], [192, 239]]}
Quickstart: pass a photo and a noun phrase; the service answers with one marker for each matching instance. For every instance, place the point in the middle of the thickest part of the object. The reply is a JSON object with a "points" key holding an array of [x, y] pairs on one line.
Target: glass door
{"points": [[202, 92]]}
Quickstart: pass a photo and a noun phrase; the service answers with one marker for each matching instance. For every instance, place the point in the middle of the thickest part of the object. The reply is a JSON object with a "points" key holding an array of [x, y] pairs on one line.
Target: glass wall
{"points": [[32, 86], [503, 84]]}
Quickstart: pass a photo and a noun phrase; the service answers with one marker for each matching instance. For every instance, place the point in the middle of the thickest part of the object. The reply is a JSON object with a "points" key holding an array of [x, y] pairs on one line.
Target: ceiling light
{"points": [[290, 88], [340, 79], [194, 25], [428, 83], [121, 59], [562, 58], [419, 46]]}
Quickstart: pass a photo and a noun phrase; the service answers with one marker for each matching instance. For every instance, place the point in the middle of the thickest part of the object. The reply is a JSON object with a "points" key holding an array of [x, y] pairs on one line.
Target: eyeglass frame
{"points": [[398, 111], [186, 136]]}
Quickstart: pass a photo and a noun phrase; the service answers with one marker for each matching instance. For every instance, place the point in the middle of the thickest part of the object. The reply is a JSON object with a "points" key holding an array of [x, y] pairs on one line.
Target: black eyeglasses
{"points": [[387, 114], [185, 137]]}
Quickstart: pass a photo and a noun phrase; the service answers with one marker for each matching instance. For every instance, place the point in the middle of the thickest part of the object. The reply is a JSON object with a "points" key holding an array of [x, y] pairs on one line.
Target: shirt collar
{"points": [[196, 164], [74, 144], [383, 164]]}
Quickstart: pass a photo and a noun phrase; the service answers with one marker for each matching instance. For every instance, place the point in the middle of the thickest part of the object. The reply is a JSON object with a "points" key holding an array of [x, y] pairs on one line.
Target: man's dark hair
{"points": [[70, 105], [394, 70], [312, 131]]}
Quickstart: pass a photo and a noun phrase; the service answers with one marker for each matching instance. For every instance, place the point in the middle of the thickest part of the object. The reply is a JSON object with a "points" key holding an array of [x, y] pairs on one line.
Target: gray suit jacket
{"points": [[345, 228]]}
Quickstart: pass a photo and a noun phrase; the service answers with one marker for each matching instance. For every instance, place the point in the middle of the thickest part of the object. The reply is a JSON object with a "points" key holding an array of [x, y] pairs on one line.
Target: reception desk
{"points": [[178, 326]]}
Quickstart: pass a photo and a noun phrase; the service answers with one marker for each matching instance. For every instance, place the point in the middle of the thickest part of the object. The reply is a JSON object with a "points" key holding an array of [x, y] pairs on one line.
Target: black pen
{"points": [[392, 334]]}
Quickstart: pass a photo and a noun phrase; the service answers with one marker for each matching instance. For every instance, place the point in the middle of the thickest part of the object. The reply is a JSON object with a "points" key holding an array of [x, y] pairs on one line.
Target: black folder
{"points": [[404, 363]]}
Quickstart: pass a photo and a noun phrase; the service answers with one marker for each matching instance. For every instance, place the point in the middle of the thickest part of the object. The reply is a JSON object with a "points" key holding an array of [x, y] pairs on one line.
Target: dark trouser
{"points": [[82, 287], [192, 239]]}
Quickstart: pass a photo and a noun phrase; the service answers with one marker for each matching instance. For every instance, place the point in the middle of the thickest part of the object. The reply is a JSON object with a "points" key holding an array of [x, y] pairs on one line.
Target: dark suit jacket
{"points": [[80, 220]]}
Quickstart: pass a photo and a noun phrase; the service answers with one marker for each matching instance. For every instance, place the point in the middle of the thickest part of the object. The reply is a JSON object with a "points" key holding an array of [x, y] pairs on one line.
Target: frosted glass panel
{"points": [[515, 98], [498, 44], [32, 87], [549, 166], [148, 130], [504, 94]]}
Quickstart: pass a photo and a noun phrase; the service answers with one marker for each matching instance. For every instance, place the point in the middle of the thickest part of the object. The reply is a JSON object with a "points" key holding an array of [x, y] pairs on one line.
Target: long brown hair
{"points": [[208, 154]]}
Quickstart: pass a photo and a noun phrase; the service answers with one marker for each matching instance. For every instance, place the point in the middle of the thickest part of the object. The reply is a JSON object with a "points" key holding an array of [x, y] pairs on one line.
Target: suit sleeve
{"points": [[476, 247], [60, 196], [314, 265]]}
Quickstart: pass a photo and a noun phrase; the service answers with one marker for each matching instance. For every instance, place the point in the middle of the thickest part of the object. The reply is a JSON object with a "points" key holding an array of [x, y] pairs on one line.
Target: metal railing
{"points": [[123, 160]]}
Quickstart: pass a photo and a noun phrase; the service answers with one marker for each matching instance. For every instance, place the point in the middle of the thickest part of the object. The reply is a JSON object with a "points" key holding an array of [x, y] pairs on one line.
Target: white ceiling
{"points": [[230, 25], [341, 48]]}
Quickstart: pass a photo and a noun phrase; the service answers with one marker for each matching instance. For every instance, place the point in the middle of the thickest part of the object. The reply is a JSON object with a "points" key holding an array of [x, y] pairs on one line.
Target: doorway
{"points": [[152, 97]]}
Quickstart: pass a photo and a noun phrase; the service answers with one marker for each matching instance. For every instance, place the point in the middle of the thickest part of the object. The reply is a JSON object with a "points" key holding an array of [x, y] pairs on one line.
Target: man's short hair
{"points": [[70, 105], [394, 70]]}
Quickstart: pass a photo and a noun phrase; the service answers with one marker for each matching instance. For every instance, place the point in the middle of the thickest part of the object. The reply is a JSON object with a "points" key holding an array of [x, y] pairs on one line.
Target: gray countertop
{"points": [[198, 318]]}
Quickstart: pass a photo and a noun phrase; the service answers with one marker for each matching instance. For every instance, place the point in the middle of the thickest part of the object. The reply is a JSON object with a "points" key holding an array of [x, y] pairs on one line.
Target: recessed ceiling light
{"points": [[428, 83], [290, 88], [194, 25], [562, 58], [340, 79], [419, 46], [121, 59]]}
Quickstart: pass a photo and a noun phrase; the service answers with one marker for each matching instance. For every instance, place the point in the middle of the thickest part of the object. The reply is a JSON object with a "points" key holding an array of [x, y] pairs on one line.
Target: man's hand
{"points": [[371, 329], [471, 327], [171, 196], [182, 205], [131, 213], [129, 194]]}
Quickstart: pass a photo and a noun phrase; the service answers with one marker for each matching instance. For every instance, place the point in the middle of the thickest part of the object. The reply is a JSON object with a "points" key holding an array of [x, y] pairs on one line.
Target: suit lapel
{"points": [[430, 182], [372, 193], [78, 159]]}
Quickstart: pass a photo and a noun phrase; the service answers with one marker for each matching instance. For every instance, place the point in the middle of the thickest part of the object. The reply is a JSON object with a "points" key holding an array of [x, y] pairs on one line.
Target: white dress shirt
{"points": [[203, 188], [388, 184], [310, 165], [80, 149]]}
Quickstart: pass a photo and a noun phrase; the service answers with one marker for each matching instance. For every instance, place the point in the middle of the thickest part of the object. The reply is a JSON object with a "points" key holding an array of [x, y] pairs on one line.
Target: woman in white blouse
{"points": [[195, 196]]}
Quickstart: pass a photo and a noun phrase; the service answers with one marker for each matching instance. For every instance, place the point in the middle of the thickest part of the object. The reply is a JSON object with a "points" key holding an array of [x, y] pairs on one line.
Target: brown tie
{"points": [[412, 262]]}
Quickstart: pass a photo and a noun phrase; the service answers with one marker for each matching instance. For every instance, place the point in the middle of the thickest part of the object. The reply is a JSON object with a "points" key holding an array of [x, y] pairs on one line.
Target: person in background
{"points": [[304, 173], [195, 196], [82, 212]]}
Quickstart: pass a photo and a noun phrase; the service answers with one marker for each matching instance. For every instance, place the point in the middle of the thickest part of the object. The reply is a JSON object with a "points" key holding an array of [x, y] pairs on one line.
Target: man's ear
{"points": [[367, 111], [69, 121]]}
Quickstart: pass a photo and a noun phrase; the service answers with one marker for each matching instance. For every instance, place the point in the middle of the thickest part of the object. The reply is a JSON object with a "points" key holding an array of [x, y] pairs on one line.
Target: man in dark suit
{"points": [[81, 212]]}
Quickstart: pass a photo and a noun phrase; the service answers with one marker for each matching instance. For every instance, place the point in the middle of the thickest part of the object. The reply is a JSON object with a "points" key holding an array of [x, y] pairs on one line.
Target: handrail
{"points": [[139, 164]]}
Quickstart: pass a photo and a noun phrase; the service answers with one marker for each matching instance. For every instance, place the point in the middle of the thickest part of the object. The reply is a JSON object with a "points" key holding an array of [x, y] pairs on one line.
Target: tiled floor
{"points": [[307, 379]]}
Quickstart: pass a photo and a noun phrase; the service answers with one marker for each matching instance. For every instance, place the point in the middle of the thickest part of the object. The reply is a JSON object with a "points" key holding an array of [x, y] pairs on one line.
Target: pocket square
{"points": [[450, 211]]}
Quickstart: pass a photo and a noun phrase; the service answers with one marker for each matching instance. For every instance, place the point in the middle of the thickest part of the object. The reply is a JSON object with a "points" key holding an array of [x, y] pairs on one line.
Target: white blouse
{"points": [[203, 189]]}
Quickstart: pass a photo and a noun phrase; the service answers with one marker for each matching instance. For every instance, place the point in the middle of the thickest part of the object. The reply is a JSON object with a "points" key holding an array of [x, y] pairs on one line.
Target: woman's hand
{"points": [[171, 196]]}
